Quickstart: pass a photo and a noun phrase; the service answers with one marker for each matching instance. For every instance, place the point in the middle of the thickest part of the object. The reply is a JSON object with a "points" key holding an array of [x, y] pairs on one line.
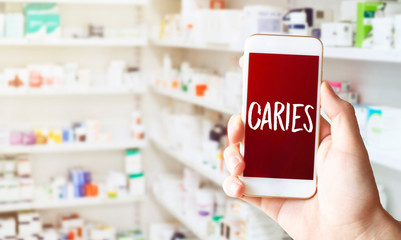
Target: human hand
{"points": [[346, 205]]}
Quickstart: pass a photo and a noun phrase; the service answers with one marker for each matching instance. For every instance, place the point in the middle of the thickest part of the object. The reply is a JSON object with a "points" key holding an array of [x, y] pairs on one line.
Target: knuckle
{"points": [[232, 120], [226, 186], [348, 108], [228, 152]]}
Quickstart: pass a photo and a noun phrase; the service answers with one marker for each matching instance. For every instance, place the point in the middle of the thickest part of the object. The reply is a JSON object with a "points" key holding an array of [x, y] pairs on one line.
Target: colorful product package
{"points": [[365, 13], [42, 20]]}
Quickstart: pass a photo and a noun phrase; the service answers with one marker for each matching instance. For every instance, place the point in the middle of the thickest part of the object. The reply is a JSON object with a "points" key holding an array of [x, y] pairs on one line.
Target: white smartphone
{"points": [[281, 112]]}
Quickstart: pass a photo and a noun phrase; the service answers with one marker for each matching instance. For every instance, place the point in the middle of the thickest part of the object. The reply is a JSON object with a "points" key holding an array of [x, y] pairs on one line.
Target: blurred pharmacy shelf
{"points": [[364, 54], [347, 53], [73, 147], [173, 211], [203, 170], [199, 101], [113, 2], [60, 204], [71, 92], [386, 159], [90, 42], [199, 46]]}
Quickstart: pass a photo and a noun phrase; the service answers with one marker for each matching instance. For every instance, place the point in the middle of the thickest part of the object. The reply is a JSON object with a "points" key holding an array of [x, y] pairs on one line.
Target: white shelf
{"points": [[59, 204], [347, 53], [180, 218], [202, 102], [390, 160], [363, 54], [91, 42], [113, 2], [72, 147], [203, 170], [199, 46], [70, 92]]}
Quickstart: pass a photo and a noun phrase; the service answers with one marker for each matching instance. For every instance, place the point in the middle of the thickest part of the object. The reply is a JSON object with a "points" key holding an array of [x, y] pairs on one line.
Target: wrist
{"points": [[382, 226]]}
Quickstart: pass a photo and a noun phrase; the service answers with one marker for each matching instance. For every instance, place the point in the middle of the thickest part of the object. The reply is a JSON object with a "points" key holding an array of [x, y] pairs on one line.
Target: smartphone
{"points": [[281, 112]]}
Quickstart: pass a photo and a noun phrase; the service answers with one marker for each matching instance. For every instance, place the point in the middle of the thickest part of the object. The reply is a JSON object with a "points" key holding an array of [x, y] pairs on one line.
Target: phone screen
{"points": [[280, 124]]}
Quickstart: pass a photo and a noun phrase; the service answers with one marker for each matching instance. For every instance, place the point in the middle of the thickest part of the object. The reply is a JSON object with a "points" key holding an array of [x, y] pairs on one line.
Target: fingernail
{"points": [[234, 188], [233, 163]]}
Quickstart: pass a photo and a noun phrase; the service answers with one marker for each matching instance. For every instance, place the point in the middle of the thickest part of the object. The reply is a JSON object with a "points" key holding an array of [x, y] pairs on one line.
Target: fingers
{"points": [[323, 150], [344, 127], [235, 129], [234, 187], [324, 129], [241, 61], [234, 161], [232, 157]]}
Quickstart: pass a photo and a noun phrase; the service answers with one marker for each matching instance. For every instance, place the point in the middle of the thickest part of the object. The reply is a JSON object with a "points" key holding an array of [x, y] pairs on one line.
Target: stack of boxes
{"points": [[116, 184], [24, 174], [84, 131], [8, 227], [134, 170], [343, 90], [24, 226], [366, 24], [34, 20], [16, 184], [71, 226], [82, 183], [13, 21], [101, 232], [42, 20], [29, 224], [137, 128], [71, 75]]}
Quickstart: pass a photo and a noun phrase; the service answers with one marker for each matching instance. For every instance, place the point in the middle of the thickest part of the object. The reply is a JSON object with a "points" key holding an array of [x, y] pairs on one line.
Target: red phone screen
{"points": [[280, 122]]}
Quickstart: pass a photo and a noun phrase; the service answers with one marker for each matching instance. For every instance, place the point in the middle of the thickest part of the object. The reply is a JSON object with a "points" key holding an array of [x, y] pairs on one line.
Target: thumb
{"points": [[344, 126]]}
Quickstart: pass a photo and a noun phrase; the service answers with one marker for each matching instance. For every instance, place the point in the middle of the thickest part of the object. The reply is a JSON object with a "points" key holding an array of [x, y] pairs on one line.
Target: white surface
{"points": [[117, 2], [69, 92], [90, 42], [363, 54], [284, 45], [72, 147], [349, 53], [202, 102], [385, 159], [189, 45], [203, 170], [84, 202]]}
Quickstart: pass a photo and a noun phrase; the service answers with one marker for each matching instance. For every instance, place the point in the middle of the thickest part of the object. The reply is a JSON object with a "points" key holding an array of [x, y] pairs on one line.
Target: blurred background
{"points": [[113, 112]]}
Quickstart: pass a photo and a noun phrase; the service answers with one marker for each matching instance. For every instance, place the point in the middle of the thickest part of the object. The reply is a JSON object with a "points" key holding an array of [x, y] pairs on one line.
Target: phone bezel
{"points": [[282, 44]]}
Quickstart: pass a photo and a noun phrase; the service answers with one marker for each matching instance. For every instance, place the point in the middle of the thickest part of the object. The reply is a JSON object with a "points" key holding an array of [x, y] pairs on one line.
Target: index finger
{"points": [[235, 129], [241, 61]]}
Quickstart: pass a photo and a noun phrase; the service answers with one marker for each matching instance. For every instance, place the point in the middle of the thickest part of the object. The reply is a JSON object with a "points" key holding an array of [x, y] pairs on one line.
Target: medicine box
{"points": [[7, 228], [133, 163], [337, 34]]}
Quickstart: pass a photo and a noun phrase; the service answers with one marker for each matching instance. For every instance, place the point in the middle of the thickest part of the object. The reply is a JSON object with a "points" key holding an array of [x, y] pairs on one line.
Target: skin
{"points": [[346, 205]]}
